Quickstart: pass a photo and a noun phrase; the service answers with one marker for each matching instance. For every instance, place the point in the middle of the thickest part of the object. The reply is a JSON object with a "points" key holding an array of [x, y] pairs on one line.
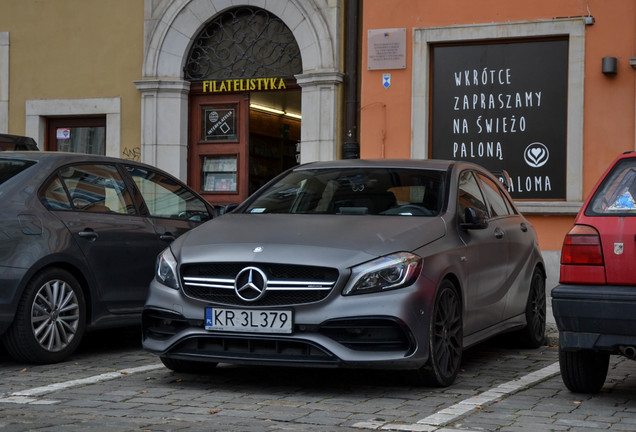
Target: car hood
{"points": [[326, 240]]}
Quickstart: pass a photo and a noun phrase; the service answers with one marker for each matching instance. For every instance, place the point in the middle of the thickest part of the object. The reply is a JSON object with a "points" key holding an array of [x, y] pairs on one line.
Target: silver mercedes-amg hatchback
{"points": [[394, 264]]}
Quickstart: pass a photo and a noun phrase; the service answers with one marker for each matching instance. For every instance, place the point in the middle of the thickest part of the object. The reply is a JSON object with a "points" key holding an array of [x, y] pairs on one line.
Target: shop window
{"points": [[219, 122], [77, 135], [219, 173]]}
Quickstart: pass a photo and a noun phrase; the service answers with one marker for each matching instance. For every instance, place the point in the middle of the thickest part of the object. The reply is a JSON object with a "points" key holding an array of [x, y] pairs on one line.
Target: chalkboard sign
{"points": [[504, 106]]}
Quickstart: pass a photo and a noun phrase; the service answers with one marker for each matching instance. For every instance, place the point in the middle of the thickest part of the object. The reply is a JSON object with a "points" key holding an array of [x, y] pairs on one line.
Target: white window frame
{"points": [[38, 110]]}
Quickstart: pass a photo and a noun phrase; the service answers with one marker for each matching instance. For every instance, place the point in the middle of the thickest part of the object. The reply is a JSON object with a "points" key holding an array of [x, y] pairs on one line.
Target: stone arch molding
{"points": [[170, 28]]}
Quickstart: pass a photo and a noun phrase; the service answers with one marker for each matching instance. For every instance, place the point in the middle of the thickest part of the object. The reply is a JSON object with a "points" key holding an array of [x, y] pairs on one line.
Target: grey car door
{"points": [[518, 240], [119, 245], [486, 260]]}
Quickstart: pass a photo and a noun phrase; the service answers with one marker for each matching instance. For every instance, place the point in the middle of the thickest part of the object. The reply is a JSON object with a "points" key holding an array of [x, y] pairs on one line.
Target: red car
{"points": [[595, 302]]}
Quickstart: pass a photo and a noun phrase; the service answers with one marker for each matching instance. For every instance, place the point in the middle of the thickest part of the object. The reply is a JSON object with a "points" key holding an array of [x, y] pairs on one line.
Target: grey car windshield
{"points": [[374, 191]]}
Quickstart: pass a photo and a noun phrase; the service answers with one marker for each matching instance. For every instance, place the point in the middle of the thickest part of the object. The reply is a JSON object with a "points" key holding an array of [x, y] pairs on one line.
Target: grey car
{"points": [[392, 264], [79, 236]]}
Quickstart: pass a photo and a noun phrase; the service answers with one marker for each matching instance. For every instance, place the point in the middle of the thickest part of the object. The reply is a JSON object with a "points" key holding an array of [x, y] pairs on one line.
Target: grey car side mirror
{"points": [[474, 219]]}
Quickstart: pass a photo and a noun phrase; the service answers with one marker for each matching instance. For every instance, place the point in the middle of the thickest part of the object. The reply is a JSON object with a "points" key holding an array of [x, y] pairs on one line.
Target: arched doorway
{"points": [[170, 29], [244, 107]]}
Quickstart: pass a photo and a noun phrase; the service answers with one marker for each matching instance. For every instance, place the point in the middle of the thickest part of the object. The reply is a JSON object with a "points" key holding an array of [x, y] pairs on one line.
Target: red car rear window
{"points": [[616, 196]]}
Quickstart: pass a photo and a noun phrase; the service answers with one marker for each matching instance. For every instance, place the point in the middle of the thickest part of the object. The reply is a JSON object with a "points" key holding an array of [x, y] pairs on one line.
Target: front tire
{"points": [[583, 371], [50, 319], [445, 338]]}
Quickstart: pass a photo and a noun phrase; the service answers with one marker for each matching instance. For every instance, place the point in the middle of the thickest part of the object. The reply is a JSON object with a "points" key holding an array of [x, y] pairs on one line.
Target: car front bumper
{"points": [[596, 317], [383, 330]]}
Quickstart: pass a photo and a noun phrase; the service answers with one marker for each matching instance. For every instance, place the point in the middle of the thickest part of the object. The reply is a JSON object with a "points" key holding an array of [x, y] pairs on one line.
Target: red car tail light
{"points": [[582, 246], [582, 257]]}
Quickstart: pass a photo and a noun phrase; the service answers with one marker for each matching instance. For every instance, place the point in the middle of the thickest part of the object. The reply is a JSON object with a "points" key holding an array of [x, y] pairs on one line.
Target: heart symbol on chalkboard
{"points": [[536, 155]]}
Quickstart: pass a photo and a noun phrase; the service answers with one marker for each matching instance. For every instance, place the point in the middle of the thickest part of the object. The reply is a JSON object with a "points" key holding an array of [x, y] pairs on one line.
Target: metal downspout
{"points": [[351, 146]]}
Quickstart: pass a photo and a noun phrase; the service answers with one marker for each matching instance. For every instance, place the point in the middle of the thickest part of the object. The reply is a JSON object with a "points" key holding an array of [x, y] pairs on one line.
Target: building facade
{"points": [[544, 90], [227, 93], [224, 94]]}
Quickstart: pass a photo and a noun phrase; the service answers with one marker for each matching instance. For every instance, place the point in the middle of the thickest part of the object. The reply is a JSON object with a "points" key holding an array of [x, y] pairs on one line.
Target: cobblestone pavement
{"points": [[112, 385]]}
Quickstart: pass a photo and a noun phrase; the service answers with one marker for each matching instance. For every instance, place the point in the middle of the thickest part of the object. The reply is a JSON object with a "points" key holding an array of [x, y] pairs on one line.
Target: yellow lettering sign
{"points": [[248, 84]]}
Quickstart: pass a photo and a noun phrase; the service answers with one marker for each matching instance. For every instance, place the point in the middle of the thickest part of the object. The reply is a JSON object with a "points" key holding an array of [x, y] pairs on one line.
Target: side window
{"points": [[496, 202], [511, 207], [54, 196], [469, 194], [167, 198], [96, 188]]}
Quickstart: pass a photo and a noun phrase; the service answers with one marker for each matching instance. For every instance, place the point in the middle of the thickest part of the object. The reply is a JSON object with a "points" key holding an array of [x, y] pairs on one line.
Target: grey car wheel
{"points": [[533, 335], [50, 319], [446, 338], [583, 371]]}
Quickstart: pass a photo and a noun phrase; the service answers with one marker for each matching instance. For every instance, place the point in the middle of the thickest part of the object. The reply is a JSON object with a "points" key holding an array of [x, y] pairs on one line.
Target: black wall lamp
{"points": [[610, 65]]}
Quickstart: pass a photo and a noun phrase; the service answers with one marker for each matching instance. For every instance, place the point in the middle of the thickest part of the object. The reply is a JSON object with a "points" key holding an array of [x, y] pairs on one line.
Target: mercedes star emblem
{"points": [[250, 284]]}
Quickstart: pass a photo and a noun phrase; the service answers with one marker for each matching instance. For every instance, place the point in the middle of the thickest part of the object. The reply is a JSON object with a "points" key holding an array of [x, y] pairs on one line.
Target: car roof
{"points": [[435, 164], [54, 155], [61, 158], [17, 142]]}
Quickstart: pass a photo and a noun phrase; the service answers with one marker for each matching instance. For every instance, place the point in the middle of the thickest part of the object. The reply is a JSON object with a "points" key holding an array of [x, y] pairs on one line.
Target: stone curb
{"points": [[552, 334]]}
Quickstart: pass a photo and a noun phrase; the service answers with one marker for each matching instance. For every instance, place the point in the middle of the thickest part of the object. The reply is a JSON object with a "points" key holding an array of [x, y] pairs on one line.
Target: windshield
{"points": [[375, 191], [12, 167]]}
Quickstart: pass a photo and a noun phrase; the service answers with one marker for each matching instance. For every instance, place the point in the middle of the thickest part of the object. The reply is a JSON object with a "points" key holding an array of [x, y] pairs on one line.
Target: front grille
{"points": [[286, 284]]}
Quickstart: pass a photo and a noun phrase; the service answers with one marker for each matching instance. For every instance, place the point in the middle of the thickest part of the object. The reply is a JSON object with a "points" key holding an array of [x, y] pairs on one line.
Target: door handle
{"points": [[499, 234], [88, 234]]}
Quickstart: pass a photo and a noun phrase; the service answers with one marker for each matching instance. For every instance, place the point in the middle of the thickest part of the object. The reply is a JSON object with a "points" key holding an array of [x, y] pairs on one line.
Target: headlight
{"points": [[167, 269], [390, 272]]}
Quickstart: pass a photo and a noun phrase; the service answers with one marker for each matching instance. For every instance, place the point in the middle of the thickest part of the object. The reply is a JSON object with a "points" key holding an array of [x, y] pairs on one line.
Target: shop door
{"points": [[218, 150]]}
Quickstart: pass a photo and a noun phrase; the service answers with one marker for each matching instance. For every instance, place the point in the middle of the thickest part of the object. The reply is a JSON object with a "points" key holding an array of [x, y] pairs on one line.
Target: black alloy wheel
{"points": [[50, 319], [533, 335], [446, 338]]}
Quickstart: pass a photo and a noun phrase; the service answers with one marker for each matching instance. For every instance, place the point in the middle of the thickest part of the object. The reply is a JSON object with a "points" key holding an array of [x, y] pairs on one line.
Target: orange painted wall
{"points": [[609, 102]]}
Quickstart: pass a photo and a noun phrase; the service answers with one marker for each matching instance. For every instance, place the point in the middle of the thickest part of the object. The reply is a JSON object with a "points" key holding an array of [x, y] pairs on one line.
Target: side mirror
{"points": [[474, 219], [227, 208]]}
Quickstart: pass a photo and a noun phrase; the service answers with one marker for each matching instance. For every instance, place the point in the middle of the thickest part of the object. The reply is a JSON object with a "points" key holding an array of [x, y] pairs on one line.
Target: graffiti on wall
{"points": [[131, 153]]}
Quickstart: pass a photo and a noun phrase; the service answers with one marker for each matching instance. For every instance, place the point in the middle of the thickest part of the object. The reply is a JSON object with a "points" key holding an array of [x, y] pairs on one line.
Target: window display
{"points": [[218, 173]]}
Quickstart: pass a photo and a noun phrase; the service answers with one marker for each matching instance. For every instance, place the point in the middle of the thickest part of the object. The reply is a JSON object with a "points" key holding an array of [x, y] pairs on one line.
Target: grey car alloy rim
{"points": [[537, 305], [55, 315], [446, 337]]}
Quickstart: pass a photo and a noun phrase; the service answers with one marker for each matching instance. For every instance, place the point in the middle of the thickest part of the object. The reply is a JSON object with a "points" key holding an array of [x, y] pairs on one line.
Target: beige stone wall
{"points": [[74, 51]]}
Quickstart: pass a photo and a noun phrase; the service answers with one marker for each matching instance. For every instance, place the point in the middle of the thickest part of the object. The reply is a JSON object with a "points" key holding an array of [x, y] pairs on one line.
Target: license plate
{"points": [[248, 320]]}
